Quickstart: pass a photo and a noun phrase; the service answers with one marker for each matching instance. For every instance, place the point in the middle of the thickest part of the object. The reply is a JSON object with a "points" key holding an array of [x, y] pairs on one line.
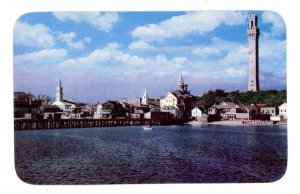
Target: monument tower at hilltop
{"points": [[253, 68]]}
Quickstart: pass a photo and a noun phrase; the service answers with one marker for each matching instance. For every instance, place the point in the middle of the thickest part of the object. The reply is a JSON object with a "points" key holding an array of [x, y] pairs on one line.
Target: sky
{"points": [[102, 56]]}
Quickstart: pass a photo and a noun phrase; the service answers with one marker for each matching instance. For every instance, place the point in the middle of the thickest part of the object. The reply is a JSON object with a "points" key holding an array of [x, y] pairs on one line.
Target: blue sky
{"points": [[109, 55]]}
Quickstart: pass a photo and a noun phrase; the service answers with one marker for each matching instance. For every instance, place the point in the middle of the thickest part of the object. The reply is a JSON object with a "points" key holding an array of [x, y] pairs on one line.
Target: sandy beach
{"points": [[234, 123], [227, 123]]}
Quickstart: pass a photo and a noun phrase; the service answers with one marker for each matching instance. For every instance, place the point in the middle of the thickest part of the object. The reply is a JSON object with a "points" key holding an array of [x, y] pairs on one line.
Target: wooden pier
{"points": [[27, 124], [77, 123]]}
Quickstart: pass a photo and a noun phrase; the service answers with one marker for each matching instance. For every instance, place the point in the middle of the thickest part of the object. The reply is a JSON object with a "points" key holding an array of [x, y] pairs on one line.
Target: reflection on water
{"points": [[167, 154]]}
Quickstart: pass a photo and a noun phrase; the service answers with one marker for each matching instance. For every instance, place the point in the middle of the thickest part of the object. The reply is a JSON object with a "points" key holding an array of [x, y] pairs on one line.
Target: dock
{"points": [[27, 124]]}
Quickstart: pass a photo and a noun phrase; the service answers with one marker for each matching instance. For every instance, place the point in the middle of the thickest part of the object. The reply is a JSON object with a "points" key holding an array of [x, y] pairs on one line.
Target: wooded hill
{"points": [[269, 97]]}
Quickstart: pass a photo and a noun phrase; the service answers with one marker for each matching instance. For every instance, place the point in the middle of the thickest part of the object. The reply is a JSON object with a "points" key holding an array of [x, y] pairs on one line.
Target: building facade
{"points": [[231, 111], [196, 112], [25, 103], [110, 110], [179, 102], [283, 111], [269, 111], [59, 100]]}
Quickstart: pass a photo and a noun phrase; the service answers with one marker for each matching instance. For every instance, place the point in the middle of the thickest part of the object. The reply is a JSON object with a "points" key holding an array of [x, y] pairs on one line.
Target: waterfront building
{"points": [[88, 110], [232, 111], [135, 115], [110, 110], [213, 110], [157, 115], [221, 109], [174, 111], [196, 112], [50, 112], [69, 108], [272, 111], [60, 102], [25, 103], [253, 66], [283, 111], [242, 112], [282, 114], [179, 102]]}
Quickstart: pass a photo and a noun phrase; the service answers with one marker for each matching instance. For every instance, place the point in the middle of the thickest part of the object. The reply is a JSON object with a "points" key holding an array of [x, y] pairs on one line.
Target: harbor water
{"points": [[165, 154]]}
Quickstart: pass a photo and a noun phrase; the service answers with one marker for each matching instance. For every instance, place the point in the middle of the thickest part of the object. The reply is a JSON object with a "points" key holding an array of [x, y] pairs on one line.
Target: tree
{"points": [[269, 97]]}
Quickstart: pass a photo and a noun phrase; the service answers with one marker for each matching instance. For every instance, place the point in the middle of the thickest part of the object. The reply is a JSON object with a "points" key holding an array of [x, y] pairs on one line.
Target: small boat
{"points": [[147, 128]]}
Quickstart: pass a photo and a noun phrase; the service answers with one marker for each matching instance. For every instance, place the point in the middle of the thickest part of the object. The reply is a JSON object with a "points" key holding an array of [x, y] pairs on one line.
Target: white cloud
{"points": [[205, 51], [43, 57], [278, 25], [139, 45], [272, 56], [224, 51], [68, 38], [237, 72], [113, 60], [108, 56], [37, 35], [272, 49], [112, 45], [101, 21], [198, 22], [239, 54]]}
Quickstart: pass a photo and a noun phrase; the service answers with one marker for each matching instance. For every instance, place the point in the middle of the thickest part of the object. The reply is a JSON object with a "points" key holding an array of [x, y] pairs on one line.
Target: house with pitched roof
{"points": [[232, 111], [178, 103]]}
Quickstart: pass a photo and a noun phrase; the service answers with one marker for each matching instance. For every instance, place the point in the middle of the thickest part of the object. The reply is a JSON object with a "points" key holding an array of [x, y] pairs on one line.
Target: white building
{"points": [[221, 109], [66, 107], [196, 112], [268, 110], [231, 111], [169, 100], [283, 111], [179, 102]]}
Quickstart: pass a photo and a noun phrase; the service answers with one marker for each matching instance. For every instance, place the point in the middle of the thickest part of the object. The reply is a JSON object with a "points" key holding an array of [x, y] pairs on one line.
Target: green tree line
{"points": [[269, 97]]}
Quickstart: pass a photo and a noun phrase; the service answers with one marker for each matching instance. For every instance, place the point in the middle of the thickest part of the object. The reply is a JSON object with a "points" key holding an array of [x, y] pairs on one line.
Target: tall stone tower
{"points": [[253, 34], [59, 92]]}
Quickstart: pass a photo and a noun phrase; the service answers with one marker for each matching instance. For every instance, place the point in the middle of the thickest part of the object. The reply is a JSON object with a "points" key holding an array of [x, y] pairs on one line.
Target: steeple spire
{"points": [[145, 98], [180, 85], [181, 79]]}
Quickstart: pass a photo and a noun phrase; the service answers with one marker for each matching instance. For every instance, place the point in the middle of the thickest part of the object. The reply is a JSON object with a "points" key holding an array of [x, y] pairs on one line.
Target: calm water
{"points": [[167, 154]]}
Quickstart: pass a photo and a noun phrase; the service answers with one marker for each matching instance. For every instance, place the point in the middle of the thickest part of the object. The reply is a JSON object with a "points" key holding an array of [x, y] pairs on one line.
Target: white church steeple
{"points": [[145, 98], [181, 86]]}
